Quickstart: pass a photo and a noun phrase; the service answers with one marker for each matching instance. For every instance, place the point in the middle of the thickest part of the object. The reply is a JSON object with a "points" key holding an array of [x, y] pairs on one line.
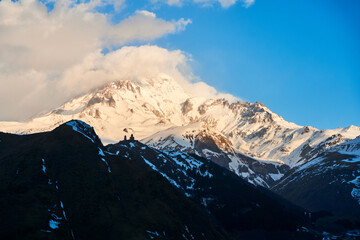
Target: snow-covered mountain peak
{"points": [[160, 105]]}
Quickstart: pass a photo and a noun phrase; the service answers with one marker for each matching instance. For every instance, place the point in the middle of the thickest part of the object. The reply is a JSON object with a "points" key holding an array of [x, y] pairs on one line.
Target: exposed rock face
{"points": [[214, 141], [95, 100], [306, 130], [187, 106], [112, 102], [97, 113], [128, 130], [202, 109], [126, 85], [219, 149]]}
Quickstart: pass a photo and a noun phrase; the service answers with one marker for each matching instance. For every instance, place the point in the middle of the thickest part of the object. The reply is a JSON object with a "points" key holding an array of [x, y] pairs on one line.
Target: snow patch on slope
{"points": [[82, 128], [355, 193]]}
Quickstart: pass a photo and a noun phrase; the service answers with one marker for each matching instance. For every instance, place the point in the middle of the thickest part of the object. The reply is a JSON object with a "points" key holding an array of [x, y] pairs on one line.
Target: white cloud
{"points": [[32, 91], [123, 64], [248, 3], [38, 48], [223, 3], [170, 2], [143, 25], [50, 41], [227, 3]]}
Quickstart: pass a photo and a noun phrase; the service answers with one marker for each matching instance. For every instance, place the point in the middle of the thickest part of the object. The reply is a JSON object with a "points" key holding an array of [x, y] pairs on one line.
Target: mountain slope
{"points": [[243, 209], [329, 182], [198, 138], [64, 185], [141, 108], [257, 132]]}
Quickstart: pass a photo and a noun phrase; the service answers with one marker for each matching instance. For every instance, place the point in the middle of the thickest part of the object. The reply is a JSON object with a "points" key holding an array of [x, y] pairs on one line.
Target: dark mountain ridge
{"points": [[328, 183], [235, 203], [64, 185]]}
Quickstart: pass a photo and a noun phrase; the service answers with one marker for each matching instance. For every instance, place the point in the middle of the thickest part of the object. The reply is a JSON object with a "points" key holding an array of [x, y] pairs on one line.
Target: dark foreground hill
{"points": [[245, 210], [63, 185], [329, 184]]}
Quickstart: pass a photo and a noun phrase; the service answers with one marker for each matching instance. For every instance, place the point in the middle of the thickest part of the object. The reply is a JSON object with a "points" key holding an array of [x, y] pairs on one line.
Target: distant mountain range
{"points": [[318, 170]]}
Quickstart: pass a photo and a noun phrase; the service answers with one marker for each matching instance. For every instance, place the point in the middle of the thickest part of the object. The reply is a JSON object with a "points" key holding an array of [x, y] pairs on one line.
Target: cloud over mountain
{"points": [[40, 47], [48, 57]]}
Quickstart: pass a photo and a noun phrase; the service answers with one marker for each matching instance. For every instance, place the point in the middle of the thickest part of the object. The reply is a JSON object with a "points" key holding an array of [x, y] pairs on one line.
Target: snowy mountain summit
{"points": [[244, 137]]}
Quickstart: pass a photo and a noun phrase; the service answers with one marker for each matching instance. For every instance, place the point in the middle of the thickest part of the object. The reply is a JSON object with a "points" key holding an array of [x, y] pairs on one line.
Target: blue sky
{"points": [[300, 58]]}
